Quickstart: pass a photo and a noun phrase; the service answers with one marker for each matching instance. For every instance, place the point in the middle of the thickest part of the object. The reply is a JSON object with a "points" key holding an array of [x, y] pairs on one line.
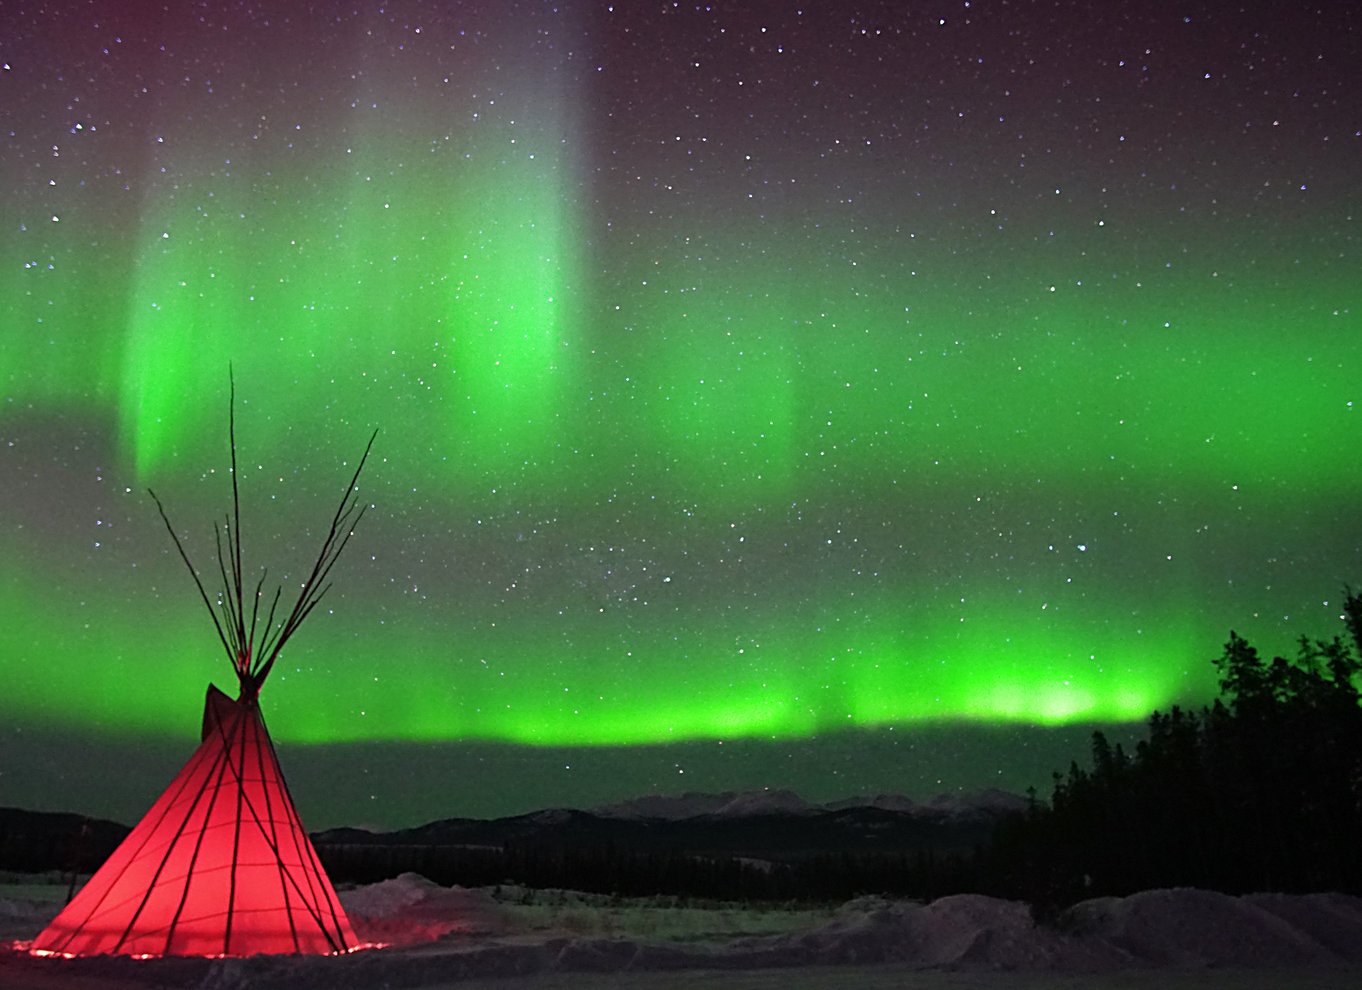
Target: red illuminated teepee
{"points": [[221, 864]]}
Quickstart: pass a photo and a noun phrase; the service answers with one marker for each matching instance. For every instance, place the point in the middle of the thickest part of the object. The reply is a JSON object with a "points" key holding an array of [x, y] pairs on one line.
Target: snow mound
{"points": [[972, 930], [22, 917], [1183, 927], [410, 909], [961, 931], [1332, 920]]}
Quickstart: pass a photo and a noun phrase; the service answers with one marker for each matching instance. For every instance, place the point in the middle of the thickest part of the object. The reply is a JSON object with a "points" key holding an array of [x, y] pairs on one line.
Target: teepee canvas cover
{"points": [[221, 864]]}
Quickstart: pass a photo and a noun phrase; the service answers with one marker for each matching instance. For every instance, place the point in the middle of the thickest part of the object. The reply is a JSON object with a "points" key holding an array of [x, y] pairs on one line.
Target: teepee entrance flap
{"points": [[217, 708]]}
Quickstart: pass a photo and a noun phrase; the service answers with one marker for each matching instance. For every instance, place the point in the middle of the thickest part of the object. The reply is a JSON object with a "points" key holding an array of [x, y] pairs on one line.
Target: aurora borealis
{"points": [[827, 387]]}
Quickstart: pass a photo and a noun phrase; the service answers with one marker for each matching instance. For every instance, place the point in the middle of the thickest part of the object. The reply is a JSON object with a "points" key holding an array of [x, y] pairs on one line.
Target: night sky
{"points": [[848, 397]]}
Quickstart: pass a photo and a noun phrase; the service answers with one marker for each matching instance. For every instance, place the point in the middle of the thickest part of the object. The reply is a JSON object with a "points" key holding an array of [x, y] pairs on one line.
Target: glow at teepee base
{"points": [[221, 865]]}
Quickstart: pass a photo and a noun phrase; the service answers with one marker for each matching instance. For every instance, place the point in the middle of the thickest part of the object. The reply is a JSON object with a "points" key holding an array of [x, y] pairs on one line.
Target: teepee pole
{"points": [[253, 661], [207, 775], [240, 771], [343, 523], [212, 612], [311, 899], [220, 765], [275, 842], [238, 603]]}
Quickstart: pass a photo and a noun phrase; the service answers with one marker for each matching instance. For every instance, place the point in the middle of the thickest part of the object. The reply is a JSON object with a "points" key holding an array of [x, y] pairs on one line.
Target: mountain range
{"points": [[763, 842], [739, 804]]}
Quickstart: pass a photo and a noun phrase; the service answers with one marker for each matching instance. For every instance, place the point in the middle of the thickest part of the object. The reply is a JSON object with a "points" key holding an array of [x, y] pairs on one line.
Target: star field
{"points": [[802, 394]]}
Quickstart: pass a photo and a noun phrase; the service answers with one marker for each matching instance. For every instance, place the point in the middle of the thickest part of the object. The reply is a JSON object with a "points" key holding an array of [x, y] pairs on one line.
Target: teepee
{"points": [[221, 864]]}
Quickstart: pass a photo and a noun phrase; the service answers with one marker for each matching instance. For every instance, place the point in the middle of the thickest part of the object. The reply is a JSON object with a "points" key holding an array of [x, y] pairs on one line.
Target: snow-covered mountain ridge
{"points": [[742, 804]]}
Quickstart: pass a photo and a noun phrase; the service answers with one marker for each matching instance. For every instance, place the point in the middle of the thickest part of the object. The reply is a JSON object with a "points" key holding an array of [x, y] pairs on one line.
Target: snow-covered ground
{"points": [[510, 937]]}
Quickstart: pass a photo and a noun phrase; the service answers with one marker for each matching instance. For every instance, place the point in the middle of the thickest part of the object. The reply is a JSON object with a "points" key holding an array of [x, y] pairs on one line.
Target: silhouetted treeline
{"points": [[820, 856], [606, 869], [44, 840], [1262, 790]]}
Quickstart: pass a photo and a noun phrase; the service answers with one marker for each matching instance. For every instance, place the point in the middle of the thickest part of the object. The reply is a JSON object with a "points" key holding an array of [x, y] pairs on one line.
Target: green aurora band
{"points": [[642, 489], [728, 415]]}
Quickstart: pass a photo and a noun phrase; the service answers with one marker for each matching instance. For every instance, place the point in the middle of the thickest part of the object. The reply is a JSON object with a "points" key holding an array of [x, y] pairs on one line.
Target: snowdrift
{"points": [[436, 935]]}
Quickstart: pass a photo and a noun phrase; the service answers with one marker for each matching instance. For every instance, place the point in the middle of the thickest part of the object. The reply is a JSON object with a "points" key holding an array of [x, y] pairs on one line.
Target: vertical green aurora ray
{"points": [[434, 282], [62, 272], [507, 353], [184, 325]]}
